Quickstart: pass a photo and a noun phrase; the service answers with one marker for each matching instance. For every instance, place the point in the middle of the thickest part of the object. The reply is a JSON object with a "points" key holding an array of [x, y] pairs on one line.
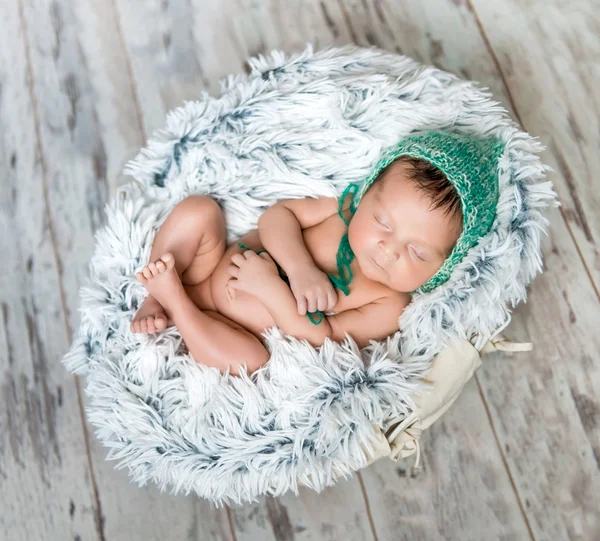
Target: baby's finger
{"points": [[332, 298], [322, 302], [302, 306], [312, 303]]}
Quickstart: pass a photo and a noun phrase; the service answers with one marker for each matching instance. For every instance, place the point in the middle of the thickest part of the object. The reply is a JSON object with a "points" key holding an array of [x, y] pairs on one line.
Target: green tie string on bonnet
{"points": [[470, 164]]}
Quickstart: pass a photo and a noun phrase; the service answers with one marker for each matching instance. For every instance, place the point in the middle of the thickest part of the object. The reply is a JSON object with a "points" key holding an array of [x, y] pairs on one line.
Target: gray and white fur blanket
{"points": [[297, 125]]}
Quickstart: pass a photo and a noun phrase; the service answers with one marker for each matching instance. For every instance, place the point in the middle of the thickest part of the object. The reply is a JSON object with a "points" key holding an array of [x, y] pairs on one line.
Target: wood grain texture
{"points": [[460, 492], [549, 58], [46, 491]]}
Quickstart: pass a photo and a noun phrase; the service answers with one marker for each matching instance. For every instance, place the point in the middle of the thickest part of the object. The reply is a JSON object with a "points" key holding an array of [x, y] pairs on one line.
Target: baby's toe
{"points": [[161, 266], [140, 277], [151, 329], [153, 269], [169, 260], [144, 325], [147, 272], [160, 322]]}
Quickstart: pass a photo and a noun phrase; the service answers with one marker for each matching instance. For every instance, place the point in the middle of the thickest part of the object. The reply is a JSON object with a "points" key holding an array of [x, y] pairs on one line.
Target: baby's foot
{"points": [[150, 318], [161, 280]]}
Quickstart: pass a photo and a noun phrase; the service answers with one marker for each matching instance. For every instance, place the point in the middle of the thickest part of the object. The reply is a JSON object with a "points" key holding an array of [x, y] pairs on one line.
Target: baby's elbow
{"points": [[336, 333], [317, 335], [323, 331], [340, 335], [316, 342]]}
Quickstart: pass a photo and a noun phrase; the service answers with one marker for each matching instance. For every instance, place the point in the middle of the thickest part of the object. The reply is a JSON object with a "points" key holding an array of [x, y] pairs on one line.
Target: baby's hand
{"points": [[251, 271], [313, 290]]}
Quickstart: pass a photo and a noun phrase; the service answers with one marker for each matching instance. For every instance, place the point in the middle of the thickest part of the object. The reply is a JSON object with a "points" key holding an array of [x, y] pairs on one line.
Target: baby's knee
{"points": [[203, 211], [194, 204]]}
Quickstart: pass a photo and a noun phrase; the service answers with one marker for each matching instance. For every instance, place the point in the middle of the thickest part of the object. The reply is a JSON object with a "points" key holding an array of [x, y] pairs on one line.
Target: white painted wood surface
{"points": [[46, 488], [83, 85]]}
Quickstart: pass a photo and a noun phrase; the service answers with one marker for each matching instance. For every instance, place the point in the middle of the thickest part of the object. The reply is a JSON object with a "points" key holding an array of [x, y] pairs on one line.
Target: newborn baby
{"points": [[399, 239], [221, 298]]}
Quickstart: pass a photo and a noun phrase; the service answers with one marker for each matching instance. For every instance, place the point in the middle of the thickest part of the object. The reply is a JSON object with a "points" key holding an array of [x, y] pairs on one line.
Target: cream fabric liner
{"points": [[451, 369]]}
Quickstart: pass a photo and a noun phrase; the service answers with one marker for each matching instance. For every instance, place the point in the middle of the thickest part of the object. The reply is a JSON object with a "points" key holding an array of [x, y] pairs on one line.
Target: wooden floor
{"points": [[82, 86]]}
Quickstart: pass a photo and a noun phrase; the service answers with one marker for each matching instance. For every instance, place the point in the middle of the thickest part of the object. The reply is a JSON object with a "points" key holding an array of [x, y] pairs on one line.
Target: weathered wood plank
{"points": [[338, 512], [462, 489], [549, 58], [90, 122], [559, 386], [164, 62], [46, 491]]}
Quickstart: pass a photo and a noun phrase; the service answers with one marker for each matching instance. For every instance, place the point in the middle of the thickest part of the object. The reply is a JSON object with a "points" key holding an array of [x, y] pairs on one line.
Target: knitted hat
{"points": [[470, 164]]}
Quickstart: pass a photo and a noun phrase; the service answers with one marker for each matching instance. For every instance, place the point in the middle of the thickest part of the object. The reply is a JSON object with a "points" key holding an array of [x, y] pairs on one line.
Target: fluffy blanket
{"points": [[296, 125]]}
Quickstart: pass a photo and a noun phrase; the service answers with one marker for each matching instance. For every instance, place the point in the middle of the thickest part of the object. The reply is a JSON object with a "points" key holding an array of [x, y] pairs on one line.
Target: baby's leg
{"points": [[194, 232], [211, 339]]}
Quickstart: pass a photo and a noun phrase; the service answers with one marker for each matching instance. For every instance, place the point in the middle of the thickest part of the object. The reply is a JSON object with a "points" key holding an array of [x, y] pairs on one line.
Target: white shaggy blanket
{"points": [[297, 125]]}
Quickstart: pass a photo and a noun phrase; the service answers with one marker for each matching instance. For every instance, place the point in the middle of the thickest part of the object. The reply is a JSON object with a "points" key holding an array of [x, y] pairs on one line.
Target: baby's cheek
{"points": [[407, 279]]}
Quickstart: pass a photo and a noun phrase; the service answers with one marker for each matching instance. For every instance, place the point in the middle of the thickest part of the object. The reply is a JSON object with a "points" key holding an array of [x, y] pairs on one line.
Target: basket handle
{"points": [[501, 343]]}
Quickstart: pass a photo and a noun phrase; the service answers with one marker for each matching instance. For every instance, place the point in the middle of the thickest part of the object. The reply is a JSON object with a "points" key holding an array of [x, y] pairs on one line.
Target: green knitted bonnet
{"points": [[470, 164]]}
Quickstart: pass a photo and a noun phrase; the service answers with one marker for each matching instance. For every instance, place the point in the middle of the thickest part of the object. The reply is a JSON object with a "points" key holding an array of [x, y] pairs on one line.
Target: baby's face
{"points": [[394, 225]]}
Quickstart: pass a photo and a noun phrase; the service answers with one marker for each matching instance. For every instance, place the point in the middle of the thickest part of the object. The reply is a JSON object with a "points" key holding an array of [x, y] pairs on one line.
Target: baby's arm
{"points": [[373, 321], [280, 229], [279, 301]]}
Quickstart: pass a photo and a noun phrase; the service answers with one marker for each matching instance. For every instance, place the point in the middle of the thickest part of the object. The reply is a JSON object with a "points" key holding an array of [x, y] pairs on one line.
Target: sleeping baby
{"points": [[321, 268]]}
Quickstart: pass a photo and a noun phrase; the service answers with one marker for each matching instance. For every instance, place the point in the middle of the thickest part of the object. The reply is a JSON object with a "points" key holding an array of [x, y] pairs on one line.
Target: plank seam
{"points": [[516, 113], [44, 175], [366, 499], [134, 91]]}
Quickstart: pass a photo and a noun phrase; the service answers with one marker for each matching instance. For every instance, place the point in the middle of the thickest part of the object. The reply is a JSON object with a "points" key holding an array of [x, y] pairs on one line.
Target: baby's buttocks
{"points": [[244, 309]]}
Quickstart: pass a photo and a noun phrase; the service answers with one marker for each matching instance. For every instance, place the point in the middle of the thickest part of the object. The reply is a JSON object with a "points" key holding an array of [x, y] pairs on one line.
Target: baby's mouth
{"points": [[377, 265]]}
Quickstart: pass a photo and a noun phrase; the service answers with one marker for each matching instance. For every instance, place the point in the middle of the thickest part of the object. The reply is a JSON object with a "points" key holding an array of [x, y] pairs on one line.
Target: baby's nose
{"points": [[388, 251]]}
